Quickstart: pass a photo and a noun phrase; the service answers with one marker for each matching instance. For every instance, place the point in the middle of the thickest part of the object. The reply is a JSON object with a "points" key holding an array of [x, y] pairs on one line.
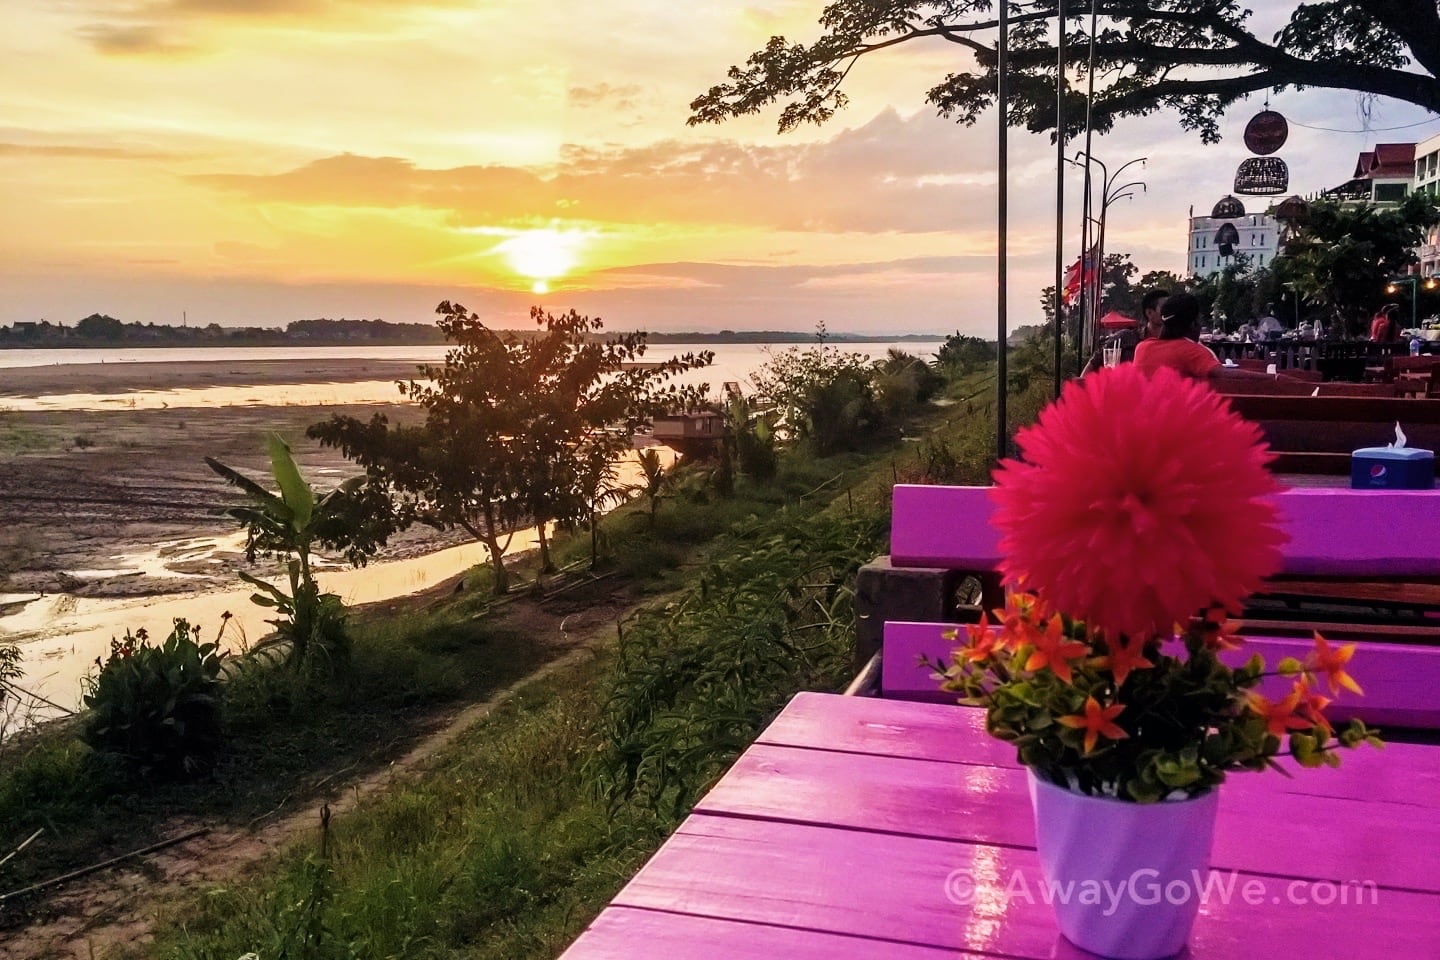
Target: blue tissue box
{"points": [[1388, 468]]}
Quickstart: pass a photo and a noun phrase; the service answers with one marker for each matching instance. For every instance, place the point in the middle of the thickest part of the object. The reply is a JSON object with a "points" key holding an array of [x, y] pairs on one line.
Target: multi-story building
{"points": [[1383, 175], [1255, 235], [1427, 180]]}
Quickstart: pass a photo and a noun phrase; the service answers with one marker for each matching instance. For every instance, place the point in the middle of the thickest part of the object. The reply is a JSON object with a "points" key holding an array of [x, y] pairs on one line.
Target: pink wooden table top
{"points": [[856, 827]]}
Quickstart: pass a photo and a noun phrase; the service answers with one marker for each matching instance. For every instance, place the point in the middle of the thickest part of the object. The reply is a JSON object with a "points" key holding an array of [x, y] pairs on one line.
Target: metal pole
{"points": [[1002, 97], [1087, 307], [1059, 192]]}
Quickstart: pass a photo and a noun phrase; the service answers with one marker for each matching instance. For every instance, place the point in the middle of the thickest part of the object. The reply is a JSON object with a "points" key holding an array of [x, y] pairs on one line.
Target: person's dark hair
{"points": [[1152, 298], [1180, 313]]}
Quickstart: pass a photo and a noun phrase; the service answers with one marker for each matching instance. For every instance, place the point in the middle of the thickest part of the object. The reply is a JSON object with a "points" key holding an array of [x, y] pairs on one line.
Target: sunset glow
{"points": [[249, 162]]}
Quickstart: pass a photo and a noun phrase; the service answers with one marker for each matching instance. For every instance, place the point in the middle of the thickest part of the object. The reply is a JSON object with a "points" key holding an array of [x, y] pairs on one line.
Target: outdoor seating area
{"points": [[888, 823]]}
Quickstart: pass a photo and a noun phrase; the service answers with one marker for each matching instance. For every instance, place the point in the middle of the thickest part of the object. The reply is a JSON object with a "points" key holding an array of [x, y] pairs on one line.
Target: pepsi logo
{"points": [[1377, 472]]}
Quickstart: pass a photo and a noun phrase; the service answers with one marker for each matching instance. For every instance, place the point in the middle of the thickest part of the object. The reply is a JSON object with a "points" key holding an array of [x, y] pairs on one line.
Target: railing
{"points": [[1335, 359]]}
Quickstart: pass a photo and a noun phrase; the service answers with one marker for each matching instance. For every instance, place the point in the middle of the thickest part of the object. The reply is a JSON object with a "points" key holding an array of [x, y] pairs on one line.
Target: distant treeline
{"points": [[100, 330]]}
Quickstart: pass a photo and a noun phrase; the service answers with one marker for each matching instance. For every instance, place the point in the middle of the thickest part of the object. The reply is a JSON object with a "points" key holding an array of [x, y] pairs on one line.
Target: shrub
{"points": [[157, 707]]}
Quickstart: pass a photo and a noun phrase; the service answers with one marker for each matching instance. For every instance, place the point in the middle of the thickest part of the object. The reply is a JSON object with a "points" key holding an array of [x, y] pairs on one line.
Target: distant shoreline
{"points": [[280, 340]]}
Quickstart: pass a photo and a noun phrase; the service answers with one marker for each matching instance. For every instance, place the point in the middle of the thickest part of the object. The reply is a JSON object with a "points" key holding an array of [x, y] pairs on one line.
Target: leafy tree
{"points": [[1343, 256], [98, 326], [517, 430], [960, 354], [1196, 56], [586, 398], [822, 394]]}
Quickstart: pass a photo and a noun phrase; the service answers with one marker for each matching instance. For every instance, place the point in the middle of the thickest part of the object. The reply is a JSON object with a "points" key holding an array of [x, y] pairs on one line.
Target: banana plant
{"points": [[287, 525]]}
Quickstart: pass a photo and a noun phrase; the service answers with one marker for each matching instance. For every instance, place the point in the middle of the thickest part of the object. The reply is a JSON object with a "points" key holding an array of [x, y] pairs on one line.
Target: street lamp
{"points": [[1394, 287], [1109, 193]]}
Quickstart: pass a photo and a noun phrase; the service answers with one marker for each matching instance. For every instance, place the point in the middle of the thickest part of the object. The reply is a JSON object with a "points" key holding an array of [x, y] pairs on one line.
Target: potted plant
{"points": [[1139, 501]]}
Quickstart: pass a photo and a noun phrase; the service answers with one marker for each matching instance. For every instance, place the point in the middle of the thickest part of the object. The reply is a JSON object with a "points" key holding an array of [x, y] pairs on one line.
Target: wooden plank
{"points": [[887, 887], [1336, 409], [625, 933], [1401, 773], [825, 721], [989, 804], [1332, 531], [1401, 681]]}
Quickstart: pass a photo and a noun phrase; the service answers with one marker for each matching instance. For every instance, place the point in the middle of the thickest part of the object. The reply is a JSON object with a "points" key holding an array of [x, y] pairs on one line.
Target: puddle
{"points": [[275, 395]]}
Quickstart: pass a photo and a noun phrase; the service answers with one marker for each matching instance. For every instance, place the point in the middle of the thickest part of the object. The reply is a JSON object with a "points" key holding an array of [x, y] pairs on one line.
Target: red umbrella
{"points": [[1116, 321]]}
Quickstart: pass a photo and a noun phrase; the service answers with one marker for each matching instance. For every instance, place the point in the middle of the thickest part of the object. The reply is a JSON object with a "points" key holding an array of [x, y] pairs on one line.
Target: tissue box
{"points": [[1392, 468]]}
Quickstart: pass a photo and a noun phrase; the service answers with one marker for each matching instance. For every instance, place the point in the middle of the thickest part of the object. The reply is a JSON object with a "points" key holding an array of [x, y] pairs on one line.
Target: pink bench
{"points": [[1389, 537]]}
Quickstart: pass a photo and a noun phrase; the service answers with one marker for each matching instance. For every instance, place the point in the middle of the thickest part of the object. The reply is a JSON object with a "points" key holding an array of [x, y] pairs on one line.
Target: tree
{"points": [[586, 398], [516, 431], [1345, 254], [1196, 56], [99, 326]]}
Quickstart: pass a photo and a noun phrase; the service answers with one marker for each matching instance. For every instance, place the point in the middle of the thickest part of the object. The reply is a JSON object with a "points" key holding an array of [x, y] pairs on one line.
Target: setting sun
{"points": [[542, 255]]}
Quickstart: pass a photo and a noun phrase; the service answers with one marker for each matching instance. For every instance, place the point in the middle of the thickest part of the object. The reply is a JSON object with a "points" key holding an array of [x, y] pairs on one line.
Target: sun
{"points": [[542, 255]]}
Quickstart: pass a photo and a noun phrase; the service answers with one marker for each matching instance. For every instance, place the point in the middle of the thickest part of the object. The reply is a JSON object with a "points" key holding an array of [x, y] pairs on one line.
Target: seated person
{"points": [[1176, 346], [1127, 339], [1270, 327]]}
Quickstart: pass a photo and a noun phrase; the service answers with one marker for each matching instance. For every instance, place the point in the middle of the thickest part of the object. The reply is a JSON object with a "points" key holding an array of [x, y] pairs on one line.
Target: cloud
{"points": [[85, 152], [621, 97], [137, 40], [891, 175]]}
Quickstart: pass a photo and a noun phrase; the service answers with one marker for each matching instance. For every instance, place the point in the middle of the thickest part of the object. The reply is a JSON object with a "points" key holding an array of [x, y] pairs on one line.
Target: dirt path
{"points": [[115, 907]]}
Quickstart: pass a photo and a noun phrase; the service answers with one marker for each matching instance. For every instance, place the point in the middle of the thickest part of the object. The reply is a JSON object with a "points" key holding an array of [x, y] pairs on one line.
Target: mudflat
{"points": [[84, 493], [110, 378]]}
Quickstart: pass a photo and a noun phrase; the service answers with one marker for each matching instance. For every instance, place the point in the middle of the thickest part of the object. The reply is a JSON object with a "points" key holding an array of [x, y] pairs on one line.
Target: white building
{"points": [[1256, 235], [1427, 180]]}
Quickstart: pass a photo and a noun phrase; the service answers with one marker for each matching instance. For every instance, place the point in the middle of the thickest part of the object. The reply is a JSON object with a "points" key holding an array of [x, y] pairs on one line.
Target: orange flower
{"points": [[1332, 664], [1018, 619], [1097, 722], [1313, 704], [1139, 500], [1054, 651], [1279, 717], [1123, 657], [981, 641]]}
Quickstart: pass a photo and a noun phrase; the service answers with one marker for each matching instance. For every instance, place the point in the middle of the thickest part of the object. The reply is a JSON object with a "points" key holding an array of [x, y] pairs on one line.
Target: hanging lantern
{"points": [[1262, 176], [1266, 132], [1226, 238], [1229, 208], [1291, 215]]}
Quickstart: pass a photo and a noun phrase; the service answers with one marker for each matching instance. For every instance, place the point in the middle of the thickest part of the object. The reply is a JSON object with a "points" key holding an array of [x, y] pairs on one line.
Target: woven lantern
{"points": [[1226, 238], [1266, 132], [1262, 176], [1228, 208]]}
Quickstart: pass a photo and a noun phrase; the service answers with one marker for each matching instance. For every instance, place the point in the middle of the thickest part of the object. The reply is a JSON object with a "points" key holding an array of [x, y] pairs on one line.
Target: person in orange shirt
{"points": [[1177, 348], [1384, 328]]}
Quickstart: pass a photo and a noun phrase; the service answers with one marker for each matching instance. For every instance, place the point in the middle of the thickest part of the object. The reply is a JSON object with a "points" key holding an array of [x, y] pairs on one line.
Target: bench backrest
{"points": [[1333, 532]]}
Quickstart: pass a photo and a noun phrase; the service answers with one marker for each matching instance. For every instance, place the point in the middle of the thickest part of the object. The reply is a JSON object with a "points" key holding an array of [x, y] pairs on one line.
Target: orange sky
{"points": [[262, 161]]}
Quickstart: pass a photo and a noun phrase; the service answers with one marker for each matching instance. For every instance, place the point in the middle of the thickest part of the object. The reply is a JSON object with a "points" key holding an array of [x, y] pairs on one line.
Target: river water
{"points": [[61, 635]]}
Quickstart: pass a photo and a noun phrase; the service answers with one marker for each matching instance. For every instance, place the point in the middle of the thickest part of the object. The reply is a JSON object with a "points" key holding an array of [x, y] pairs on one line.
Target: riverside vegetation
{"points": [[737, 579]]}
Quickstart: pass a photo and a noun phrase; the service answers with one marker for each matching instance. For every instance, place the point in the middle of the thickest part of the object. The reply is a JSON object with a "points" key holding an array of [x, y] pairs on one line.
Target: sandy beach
{"points": [[116, 502]]}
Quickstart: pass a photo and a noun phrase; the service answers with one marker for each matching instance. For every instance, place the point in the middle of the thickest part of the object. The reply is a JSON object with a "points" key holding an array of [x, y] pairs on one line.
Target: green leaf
{"points": [[293, 489]]}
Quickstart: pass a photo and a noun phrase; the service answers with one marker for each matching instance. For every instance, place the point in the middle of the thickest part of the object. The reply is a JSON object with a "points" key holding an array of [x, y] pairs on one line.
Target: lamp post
{"points": [[1394, 287]]}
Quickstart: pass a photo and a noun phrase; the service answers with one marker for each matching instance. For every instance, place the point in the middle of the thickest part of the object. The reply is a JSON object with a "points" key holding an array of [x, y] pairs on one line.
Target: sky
{"points": [[255, 162]]}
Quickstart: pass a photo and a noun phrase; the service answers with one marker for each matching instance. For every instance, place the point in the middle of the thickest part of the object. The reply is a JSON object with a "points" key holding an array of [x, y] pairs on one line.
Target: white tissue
{"points": [[1399, 443]]}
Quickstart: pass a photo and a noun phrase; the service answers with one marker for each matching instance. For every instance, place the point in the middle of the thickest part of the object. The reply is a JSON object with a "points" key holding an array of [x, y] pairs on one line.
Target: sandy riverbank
{"points": [[116, 378], [121, 503]]}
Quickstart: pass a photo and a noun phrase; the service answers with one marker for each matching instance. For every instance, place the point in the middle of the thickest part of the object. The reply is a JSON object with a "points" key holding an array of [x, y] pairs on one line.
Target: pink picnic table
{"points": [[866, 828]]}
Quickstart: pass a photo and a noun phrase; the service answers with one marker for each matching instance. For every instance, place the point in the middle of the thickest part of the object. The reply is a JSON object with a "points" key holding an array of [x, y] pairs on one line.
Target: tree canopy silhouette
{"points": [[1195, 56]]}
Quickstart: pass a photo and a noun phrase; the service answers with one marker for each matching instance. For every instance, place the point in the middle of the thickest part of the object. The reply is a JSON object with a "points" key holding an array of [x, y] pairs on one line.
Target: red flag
{"points": [[1080, 275]]}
